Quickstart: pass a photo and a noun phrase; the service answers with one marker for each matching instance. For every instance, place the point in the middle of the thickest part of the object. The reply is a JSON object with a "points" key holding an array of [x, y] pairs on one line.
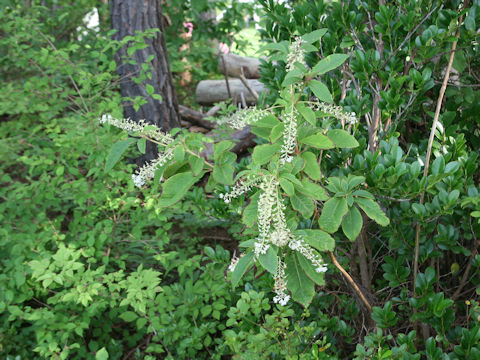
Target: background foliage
{"points": [[92, 268]]}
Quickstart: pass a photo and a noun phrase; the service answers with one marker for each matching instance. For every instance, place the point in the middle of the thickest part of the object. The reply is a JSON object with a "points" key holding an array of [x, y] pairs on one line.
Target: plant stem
{"points": [[430, 143], [351, 281]]}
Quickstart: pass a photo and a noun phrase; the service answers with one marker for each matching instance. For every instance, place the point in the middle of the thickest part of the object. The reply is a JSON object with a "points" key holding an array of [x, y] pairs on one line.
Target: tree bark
{"points": [[128, 17], [212, 91], [236, 63]]}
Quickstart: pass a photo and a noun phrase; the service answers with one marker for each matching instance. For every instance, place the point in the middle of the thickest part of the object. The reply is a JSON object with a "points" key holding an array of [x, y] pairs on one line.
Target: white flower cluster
{"points": [[289, 137], [271, 212], [280, 235], [266, 202], [241, 187], [147, 171], [244, 117], [337, 112], [131, 126], [273, 230], [280, 286], [295, 54], [305, 249]]}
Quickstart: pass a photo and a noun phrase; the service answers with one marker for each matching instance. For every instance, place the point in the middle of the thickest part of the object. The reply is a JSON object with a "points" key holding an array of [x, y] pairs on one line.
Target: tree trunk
{"points": [[128, 17]]}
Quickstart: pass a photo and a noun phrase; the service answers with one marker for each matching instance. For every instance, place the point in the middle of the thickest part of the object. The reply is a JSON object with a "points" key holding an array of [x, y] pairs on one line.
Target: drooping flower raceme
{"points": [[266, 202], [289, 137], [280, 286], [142, 127], [147, 171], [337, 112], [272, 226], [241, 187], [305, 249], [280, 234], [244, 117]]}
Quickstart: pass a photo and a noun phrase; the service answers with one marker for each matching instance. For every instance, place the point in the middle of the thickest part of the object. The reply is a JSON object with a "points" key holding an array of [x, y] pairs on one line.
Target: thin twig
{"points": [[244, 102], [409, 35], [351, 281], [430, 143], [224, 63], [247, 85]]}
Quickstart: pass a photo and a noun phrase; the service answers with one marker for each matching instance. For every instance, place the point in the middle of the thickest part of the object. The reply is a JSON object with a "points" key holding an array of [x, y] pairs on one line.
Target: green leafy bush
{"points": [[94, 267]]}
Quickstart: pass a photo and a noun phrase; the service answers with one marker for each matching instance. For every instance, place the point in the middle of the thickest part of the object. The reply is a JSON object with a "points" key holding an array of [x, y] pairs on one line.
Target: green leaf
{"points": [[269, 121], [206, 310], [297, 165], [128, 316], [342, 139], [318, 141], [303, 204], [223, 174], [309, 48], [263, 153], [277, 132], [320, 90], [142, 144], [363, 193], [302, 288], [287, 186], [470, 19], [352, 224], [245, 262], [262, 132], [281, 46], [314, 35], [438, 165], [307, 113], [353, 181], [175, 188], [291, 178], [319, 239], [313, 190], [475, 214], [309, 269], [116, 152], [269, 260], [222, 147], [196, 164], [101, 354], [179, 153], [250, 212], [311, 168], [373, 211], [329, 63], [347, 41], [60, 170], [292, 77], [150, 89], [332, 214], [334, 184]]}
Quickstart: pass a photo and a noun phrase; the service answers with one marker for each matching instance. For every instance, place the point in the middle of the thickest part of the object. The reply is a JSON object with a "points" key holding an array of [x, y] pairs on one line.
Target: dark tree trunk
{"points": [[127, 17]]}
